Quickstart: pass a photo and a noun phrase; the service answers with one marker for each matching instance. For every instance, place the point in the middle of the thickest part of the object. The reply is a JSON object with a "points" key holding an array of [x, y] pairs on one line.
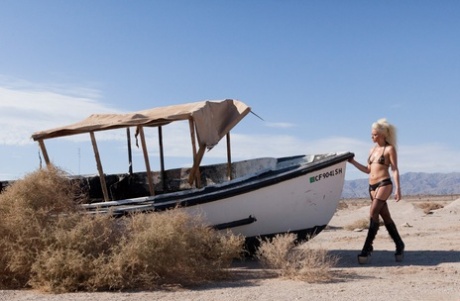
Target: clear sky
{"points": [[319, 73]]}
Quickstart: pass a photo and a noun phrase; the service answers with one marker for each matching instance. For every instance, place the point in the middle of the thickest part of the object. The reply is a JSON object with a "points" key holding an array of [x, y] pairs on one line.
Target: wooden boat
{"points": [[256, 198]]}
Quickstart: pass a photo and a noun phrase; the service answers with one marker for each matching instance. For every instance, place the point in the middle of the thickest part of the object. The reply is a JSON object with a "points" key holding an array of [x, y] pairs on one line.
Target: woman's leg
{"points": [[391, 228], [368, 248], [379, 205], [385, 214]]}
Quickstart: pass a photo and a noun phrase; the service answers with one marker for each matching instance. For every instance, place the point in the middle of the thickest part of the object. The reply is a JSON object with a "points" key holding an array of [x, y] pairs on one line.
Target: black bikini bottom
{"points": [[385, 182]]}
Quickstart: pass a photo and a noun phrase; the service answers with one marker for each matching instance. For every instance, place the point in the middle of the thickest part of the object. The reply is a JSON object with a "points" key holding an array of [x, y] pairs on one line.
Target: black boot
{"points": [[398, 241], [367, 249]]}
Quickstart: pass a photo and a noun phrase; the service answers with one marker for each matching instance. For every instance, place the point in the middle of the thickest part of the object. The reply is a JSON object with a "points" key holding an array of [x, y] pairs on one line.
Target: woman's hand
{"points": [[397, 194]]}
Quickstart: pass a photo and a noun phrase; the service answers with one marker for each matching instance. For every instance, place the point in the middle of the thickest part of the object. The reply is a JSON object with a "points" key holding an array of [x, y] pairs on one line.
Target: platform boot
{"points": [[391, 228], [364, 257]]}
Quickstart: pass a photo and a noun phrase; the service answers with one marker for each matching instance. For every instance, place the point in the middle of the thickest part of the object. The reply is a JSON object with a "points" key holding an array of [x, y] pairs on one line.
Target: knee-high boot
{"points": [[368, 248], [391, 228]]}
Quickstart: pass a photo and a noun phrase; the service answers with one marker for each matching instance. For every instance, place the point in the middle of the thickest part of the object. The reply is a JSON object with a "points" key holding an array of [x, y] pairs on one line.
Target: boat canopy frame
{"points": [[209, 121]]}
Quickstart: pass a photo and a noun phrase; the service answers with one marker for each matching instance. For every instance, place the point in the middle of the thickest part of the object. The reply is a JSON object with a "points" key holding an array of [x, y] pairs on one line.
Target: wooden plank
{"points": [[99, 167], [147, 162], [130, 152], [162, 159], [194, 173], [192, 136], [229, 158], [44, 152]]}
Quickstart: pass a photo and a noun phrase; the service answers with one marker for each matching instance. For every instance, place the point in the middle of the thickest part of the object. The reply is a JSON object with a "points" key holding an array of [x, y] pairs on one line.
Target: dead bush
{"points": [[361, 224], [429, 206], [74, 253], [168, 248], [49, 244], [358, 224], [29, 210], [281, 254]]}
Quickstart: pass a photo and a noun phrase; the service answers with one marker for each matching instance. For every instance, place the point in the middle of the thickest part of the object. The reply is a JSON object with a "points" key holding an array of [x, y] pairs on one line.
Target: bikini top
{"points": [[381, 159]]}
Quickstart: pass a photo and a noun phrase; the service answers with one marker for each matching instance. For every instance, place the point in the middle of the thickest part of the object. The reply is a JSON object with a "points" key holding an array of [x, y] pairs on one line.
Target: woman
{"points": [[381, 157]]}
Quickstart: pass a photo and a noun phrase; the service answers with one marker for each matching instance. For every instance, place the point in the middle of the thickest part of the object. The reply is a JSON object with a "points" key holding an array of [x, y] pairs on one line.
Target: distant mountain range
{"points": [[412, 183]]}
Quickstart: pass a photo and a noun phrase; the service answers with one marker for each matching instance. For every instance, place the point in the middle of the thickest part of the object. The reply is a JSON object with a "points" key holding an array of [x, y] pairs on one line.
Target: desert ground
{"points": [[430, 269]]}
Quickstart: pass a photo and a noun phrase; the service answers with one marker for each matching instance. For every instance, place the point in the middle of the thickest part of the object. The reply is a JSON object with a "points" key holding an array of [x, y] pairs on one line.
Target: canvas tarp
{"points": [[212, 119]]}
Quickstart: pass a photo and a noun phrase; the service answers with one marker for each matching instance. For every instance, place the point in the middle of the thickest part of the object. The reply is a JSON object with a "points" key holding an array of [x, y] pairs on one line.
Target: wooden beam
{"points": [[130, 152], [162, 159], [147, 162], [192, 136], [99, 167], [194, 173], [44, 152], [229, 158]]}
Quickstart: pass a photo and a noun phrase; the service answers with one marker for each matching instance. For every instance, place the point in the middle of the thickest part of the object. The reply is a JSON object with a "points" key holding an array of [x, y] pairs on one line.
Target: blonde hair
{"points": [[388, 130]]}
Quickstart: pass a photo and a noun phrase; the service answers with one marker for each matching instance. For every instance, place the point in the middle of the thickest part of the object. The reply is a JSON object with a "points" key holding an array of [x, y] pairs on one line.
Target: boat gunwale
{"points": [[216, 192]]}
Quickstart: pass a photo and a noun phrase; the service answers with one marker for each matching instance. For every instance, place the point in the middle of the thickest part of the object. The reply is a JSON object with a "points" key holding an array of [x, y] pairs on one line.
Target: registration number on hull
{"points": [[325, 175]]}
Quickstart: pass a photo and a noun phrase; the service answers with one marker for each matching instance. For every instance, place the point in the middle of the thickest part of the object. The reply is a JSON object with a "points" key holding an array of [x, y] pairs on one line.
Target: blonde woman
{"points": [[382, 158]]}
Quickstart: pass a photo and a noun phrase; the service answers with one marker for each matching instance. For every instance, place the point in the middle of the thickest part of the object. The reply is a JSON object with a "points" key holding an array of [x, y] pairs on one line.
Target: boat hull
{"points": [[294, 195], [303, 204]]}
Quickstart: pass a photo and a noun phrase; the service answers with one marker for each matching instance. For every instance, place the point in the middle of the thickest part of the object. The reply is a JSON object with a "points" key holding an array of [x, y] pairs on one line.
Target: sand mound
{"points": [[404, 209], [452, 208]]}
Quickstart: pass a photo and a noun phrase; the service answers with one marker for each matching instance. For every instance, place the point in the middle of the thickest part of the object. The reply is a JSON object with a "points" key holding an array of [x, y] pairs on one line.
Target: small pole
{"points": [[130, 154], [195, 172], [147, 162], [192, 136], [162, 159], [229, 158], [99, 167], [44, 152]]}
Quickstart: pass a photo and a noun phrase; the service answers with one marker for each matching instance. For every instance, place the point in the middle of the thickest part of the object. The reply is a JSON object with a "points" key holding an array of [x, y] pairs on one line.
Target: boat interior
{"points": [[134, 185]]}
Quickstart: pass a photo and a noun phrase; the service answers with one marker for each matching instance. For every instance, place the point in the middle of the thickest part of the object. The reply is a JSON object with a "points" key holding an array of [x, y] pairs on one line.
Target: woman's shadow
{"points": [[348, 258]]}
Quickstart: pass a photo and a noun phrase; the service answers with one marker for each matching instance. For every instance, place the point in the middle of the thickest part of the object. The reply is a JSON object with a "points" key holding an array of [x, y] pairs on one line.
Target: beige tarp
{"points": [[213, 120]]}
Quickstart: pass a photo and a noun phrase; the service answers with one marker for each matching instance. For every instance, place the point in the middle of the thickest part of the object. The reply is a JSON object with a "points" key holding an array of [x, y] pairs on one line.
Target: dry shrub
{"points": [[29, 210], [361, 224], [428, 206], [48, 244], [311, 265], [75, 252], [143, 251], [358, 224], [169, 248]]}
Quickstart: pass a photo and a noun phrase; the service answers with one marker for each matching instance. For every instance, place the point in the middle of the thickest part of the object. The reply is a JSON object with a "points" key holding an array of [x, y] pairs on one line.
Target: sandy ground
{"points": [[430, 270]]}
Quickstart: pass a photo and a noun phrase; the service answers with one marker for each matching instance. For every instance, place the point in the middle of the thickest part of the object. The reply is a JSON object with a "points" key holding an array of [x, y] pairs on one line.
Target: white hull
{"points": [[291, 205], [269, 196]]}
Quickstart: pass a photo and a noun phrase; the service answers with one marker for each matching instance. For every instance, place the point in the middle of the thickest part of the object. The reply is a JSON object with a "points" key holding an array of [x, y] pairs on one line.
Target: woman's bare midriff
{"points": [[378, 173]]}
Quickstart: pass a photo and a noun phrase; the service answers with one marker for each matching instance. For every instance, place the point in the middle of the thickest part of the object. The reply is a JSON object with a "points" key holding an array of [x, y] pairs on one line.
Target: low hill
{"points": [[412, 183]]}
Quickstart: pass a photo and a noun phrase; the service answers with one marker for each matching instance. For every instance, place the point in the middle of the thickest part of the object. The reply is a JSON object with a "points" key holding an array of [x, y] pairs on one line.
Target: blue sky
{"points": [[318, 72]]}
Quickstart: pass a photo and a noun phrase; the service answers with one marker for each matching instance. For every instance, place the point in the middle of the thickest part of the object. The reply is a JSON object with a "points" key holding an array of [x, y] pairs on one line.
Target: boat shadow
{"points": [[247, 272], [384, 258]]}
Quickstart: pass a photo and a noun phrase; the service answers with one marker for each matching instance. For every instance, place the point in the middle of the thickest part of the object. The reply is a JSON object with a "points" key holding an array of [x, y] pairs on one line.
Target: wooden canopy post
{"points": [[41, 143], [192, 136], [99, 167], [162, 159], [130, 153], [147, 162], [195, 172], [229, 158]]}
